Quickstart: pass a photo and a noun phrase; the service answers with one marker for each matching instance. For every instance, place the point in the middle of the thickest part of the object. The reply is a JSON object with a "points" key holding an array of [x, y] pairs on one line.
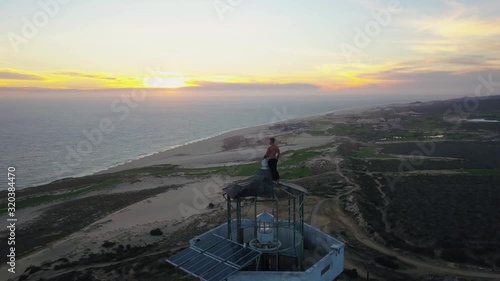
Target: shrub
{"points": [[426, 251], [108, 244], [156, 232], [387, 261], [454, 255], [351, 273]]}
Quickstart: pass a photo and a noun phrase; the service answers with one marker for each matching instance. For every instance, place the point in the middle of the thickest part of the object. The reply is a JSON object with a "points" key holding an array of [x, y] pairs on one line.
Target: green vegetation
{"points": [[292, 168], [156, 232], [483, 172], [437, 207], [207, 171], [246, 169], [349, 130], [299, 156], [316, 132], [164, 170], [388, 261], [170, 170], [351, 273], [289, 169], [429, 122], [294, 173], [367, 152], [454, 255], [491, 114], [444, 209], [461, 136], [44, 199], [321, 122]]}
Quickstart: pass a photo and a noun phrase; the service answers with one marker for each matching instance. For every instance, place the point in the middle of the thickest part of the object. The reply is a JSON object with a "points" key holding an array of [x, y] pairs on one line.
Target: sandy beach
{"points": [[210, 152]]}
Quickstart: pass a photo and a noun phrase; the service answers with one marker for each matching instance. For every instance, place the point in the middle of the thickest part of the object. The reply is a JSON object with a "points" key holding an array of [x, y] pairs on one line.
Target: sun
{"points": [[164, 82]]}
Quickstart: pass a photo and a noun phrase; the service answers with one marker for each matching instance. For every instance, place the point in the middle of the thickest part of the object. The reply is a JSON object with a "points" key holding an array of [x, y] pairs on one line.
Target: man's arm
{"points": [[278, 154], [267, 153]]}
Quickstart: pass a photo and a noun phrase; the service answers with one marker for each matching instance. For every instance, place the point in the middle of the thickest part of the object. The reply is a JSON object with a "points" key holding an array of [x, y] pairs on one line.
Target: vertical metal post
{"points": [[302, 215], [277, 227], [295, 229], [277, 261], [255, 220], [229, 221], [239, 230], [276, 217], [289, 210], [294, 214]]}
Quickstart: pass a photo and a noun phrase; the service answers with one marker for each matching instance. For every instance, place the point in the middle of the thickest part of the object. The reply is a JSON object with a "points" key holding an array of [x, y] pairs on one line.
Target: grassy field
{"points": [[289, 168], [483, 172], [447, 211], [316, 133], [428, 123], [461, 136], [348, 130], [367, 152], [44, 199]]}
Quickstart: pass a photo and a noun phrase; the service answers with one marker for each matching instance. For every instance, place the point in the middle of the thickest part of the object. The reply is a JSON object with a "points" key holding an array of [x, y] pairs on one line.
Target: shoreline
{"points": [[142, 161], [195, 147]]}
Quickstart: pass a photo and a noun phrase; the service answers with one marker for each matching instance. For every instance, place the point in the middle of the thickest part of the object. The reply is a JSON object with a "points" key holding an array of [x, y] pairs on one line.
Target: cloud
{"points": [[434, 84], [203, 85], [461, 22], [7, 74], [452, 64], [465, 60], [434, 46], [85, 75], [311, 52], [66, 79], [468, 28], [446, 39], [390, 73]]}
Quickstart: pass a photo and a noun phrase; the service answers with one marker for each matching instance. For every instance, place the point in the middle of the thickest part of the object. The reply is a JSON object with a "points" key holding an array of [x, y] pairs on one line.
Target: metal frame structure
{"points": [[226, 259], [295, 196]]}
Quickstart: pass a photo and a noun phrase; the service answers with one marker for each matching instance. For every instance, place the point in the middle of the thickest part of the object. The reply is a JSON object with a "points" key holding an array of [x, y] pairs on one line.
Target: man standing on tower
{"points": [[272, 156]]}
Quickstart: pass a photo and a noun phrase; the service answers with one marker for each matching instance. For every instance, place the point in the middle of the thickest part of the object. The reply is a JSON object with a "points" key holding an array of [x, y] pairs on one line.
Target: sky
{"points": [[372, 46]]}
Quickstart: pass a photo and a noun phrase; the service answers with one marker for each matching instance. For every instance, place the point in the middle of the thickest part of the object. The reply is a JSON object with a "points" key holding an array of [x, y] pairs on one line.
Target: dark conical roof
{"points": [[261, 185]]}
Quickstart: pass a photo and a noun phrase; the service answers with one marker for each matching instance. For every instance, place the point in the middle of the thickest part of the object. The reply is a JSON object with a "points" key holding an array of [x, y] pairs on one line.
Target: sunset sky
{"points": [[97, 44]]}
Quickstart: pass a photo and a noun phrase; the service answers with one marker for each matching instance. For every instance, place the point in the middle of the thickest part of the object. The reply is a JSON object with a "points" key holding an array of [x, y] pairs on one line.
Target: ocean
{"points": [[48, 138]]}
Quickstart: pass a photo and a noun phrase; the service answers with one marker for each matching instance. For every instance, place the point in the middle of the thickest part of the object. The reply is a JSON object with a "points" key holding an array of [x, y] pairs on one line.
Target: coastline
{"points": [[186, 155], [172, 151]]}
